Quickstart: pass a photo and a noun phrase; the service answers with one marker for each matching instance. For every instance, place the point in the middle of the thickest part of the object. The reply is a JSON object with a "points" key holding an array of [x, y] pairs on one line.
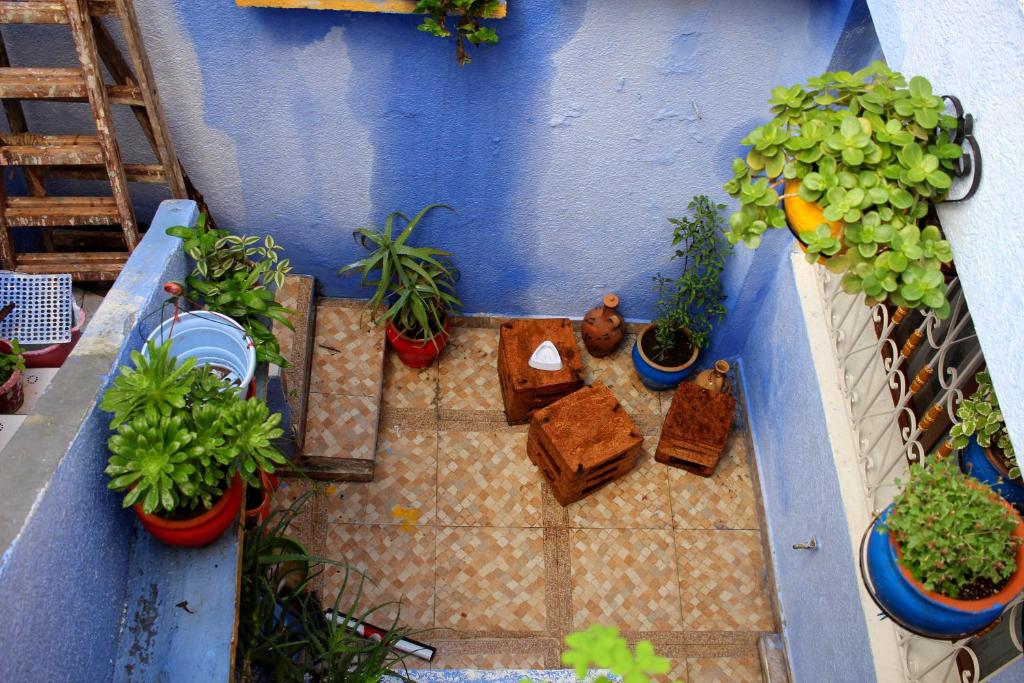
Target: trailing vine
{"points": [[467, 24]]}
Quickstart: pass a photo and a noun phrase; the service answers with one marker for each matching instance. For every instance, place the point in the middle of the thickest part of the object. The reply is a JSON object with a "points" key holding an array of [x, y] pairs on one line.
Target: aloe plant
{"points": [[414, 287], [875, 152]]}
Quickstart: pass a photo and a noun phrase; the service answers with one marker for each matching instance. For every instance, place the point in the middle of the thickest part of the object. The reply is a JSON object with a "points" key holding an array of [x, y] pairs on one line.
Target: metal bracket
{"points": [[970, 163]]}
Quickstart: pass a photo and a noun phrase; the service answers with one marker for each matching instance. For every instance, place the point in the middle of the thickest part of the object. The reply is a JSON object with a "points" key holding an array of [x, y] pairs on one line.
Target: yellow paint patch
{"points": [[331, 489], [408, 516], [389, 6]]}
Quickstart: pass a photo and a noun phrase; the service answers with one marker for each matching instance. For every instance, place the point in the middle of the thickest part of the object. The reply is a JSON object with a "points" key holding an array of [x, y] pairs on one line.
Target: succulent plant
{"points": [[981, 418], [12, 362], [157, 385], [875, 152], [249, 430]]}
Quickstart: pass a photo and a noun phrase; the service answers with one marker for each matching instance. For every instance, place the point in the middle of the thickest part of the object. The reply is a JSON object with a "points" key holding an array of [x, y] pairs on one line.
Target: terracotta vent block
{"points": [[582, 442], [696, 429], [524, 389]]}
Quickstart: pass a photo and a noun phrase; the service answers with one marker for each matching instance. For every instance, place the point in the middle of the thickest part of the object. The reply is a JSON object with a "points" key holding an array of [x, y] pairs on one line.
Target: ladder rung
{"points": [[44, 212], [47, 12], [27, 149], [37, 83], [89, 265], [136, 173]]}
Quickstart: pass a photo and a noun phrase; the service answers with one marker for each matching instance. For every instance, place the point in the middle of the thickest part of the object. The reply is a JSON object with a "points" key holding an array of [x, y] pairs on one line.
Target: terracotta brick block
{"points": [[582, 442], [696, 429], [524, 389]]}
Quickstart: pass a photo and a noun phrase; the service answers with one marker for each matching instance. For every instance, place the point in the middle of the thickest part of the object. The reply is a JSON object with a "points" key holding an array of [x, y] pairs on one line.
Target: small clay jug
{"points": [[713, 379], [602, 327]]}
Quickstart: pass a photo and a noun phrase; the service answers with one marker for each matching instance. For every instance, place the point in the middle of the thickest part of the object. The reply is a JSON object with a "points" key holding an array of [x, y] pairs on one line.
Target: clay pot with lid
{"points": [[602, 327]]}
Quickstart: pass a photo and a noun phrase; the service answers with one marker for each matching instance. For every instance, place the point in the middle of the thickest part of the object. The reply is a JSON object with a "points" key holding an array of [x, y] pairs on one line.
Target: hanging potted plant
{"points": [[858, 160], [947, 555], [12, 367], [414, 288], [185, 443], [984, 442], [689, 306]]}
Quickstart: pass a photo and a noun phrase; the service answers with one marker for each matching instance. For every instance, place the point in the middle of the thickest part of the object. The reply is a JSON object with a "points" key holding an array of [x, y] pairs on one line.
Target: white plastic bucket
{"points": [[212, 339]]}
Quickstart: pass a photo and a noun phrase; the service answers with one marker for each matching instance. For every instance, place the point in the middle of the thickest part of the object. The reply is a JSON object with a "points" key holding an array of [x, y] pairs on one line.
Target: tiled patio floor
{"points": [[460, 526]]}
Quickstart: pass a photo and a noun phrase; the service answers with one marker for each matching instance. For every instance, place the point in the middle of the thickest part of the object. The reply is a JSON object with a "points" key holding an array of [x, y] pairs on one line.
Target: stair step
{"points": [[136, 173], [27, 149], [92, 265], [45, 212], [51, 83], [299, 294], [47, 12]]}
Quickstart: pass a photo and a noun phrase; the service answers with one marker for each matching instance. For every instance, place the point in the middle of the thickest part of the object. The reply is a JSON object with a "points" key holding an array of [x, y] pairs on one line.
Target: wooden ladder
{"points": [[81, 156]]}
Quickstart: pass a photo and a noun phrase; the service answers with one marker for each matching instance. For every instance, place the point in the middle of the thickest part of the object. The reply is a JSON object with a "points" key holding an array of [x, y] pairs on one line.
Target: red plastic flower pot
{"points": [[201, 530], [417, 353], [54, 356], [254, 516], [12, 393]]}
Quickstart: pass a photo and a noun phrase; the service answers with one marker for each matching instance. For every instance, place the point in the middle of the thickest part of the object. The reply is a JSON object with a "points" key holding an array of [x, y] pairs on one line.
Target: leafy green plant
{"points": [[237, 275], [692, 301], [601, 647], [12, 362], [414, 287], [285, 633], [467, 24], [954, 534], [981, 417], [875, 153], [182, 433]]}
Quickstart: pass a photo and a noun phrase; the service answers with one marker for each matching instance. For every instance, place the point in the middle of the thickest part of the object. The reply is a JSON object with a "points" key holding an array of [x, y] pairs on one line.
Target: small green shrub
{"points": [[951, 530], [467, 23], [12, 362], [601, 647], [981, 418]]}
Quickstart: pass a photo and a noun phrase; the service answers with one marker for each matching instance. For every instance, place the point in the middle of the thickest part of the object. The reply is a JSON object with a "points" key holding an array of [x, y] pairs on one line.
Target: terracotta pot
{"points": [[201, 530], [602, 327], [802, 216], [12, 392], [417, 353], [714, 378], [255, 516], [654, 375]]}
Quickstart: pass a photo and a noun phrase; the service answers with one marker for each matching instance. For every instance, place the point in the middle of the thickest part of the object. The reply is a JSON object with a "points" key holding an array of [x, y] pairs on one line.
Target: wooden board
{"points": [[388, 6]]}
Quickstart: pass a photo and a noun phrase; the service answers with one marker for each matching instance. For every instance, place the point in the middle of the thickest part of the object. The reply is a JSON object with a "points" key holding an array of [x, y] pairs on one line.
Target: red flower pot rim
{"points": [[438, 340], [199, 520]]}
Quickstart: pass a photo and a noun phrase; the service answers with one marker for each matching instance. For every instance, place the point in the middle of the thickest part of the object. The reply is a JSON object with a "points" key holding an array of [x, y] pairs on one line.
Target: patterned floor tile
{"points": [[476, 343], [398, 566], [617, 372], [404, 480], [722, 501], [490, 579], [486, 479], [723, 581], [405, 387], [346, 353], [341, 426], [724, 670], [468, 371], [624, 578], [638, 500], [496, 660]]}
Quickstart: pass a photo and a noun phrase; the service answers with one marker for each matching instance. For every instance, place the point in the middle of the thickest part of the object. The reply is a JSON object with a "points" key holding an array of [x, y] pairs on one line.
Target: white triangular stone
{"points": [[545, 357]]}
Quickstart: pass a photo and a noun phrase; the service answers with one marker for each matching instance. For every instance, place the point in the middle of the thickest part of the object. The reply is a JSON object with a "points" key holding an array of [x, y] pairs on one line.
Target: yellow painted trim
{"points": [[389, 6]]}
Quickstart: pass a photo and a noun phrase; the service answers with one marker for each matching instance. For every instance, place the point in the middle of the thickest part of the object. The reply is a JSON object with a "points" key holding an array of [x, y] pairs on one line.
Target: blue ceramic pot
{"points": [[925, 612], [655, 376], [976, 462]]}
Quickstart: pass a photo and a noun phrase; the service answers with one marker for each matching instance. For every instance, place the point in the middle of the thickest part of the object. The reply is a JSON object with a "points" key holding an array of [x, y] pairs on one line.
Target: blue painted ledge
{"points": [[506, 676]]}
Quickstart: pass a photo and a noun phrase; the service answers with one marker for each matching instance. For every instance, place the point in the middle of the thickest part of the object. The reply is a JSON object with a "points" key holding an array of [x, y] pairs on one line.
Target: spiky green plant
{"points": [[249, 430], [157, 385]]}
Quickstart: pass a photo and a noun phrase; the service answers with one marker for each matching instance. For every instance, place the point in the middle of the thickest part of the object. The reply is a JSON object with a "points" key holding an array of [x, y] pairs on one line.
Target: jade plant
{"points": [[414, 287], [182, 433], [601, 647], [237, 275], [693, 301], [874, 152], [979, 416], [955, 535], [467, 26], [12, 361]]}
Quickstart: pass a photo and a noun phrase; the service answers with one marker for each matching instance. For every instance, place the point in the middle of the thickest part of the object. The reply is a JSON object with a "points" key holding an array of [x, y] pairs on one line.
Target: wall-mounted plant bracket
{"points": [[970, 163]]}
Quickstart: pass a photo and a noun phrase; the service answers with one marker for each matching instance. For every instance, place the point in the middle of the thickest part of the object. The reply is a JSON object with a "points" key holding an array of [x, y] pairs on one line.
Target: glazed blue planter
{"points": [[655, 376], [908, 603], [975, 462]]}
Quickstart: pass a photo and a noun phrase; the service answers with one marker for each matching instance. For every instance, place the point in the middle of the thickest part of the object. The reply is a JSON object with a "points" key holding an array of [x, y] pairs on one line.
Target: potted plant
{"points": [[689, 306], [237, 275], [414, 288], [858, 160], [12, 365], [185, 441], [985, 449], [946, 556], [467, 25]]}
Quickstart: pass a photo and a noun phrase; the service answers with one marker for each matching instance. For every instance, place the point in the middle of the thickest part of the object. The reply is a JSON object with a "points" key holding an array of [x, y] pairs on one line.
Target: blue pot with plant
{"points": [[688, 306], [984, 442], [927, 565]]}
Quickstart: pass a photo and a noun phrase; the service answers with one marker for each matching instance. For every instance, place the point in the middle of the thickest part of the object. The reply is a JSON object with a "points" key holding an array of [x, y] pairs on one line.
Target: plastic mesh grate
{"points": [[43, 308]]}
